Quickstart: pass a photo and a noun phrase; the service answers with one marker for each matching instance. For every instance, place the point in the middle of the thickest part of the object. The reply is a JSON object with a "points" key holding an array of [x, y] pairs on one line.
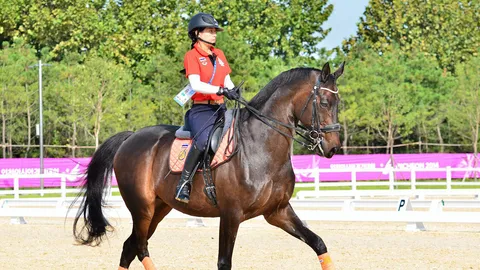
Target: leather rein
{"points": [[313, 136]]}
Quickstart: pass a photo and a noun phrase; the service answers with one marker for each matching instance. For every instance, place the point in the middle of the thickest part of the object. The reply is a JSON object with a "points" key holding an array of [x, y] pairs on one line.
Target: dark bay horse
{"points": [[258, 180]]}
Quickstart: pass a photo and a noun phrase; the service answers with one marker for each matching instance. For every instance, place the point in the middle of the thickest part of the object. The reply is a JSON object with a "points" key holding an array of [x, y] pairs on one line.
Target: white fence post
{"points": [[63, 187], [449, 178], [16, 188], [354, 179], [413, 179], [391, 178]]}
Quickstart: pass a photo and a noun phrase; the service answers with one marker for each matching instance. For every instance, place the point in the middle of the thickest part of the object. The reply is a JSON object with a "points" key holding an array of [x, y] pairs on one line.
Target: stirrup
{"points": [[180, 196]]}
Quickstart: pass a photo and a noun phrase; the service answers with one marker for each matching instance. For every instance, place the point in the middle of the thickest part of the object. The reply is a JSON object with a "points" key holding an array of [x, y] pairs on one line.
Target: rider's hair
{"points": [[193, 36]]}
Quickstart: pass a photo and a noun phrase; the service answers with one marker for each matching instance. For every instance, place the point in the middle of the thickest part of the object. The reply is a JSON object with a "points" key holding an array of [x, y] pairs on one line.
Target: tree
{"points": [[139, 30], [464, 112], [10, 19], [447, 30], [287, 29], [64, 26], [380, 100], [18, 92]]}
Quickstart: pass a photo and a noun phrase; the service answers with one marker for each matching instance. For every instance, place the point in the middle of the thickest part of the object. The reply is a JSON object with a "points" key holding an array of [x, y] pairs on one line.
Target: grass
{"points": [[379, 187], [397, 187], [45, 195]]}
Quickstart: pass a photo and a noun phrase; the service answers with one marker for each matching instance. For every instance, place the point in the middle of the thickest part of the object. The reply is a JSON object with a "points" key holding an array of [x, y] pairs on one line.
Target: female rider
{"points": [[208, 72]]}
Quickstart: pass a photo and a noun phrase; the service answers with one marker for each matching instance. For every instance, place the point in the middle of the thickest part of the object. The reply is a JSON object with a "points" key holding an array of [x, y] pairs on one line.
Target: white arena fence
{"points": [[445, 186], [453, 201]]}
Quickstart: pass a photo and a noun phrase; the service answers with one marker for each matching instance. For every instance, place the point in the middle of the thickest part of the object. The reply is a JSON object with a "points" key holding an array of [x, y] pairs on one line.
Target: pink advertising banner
{"points": [[384, 162], [75, 167]]}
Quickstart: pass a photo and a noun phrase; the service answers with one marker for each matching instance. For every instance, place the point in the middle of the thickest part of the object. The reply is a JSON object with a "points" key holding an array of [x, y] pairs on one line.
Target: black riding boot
{"points": [[184, 186]]}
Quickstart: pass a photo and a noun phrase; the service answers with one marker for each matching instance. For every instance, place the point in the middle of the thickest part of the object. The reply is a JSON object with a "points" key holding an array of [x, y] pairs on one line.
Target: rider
{"points": [[208, 71]]}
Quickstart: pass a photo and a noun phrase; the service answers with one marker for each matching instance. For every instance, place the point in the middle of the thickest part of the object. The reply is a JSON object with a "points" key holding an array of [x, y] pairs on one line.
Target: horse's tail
{"points": [[99, 172]]}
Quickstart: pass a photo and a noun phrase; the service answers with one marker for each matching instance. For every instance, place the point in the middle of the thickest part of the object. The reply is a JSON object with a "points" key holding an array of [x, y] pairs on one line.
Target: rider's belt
{"points": [[210, 102]]}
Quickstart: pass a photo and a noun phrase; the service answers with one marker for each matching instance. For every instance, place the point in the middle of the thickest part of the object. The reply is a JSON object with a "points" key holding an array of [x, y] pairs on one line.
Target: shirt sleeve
{"points": [[201, 87], [228, 82], [191, 65]]}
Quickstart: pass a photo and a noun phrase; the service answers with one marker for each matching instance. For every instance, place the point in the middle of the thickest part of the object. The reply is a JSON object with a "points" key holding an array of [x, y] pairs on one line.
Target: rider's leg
{"points": [[191, 164], [201, 119]]}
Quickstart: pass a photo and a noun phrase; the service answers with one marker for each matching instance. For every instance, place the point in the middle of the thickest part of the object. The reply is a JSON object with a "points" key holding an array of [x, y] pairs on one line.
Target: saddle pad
{"points": [[180, 148]]}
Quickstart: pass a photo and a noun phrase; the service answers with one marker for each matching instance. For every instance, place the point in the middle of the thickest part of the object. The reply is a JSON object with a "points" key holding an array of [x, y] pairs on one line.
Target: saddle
{"points": [[220, 146]]}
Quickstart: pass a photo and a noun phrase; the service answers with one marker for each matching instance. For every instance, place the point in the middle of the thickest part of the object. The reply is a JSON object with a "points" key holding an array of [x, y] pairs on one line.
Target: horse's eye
{"points": [[324, 103]]}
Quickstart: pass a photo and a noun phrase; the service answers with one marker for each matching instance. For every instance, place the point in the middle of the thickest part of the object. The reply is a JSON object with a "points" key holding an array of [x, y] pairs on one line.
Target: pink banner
{"points": [[384, 162], [75, 167]]}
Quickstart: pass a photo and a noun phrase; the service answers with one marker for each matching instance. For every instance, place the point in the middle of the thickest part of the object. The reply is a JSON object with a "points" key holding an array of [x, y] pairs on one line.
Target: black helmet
{"points": [[203, 20]]}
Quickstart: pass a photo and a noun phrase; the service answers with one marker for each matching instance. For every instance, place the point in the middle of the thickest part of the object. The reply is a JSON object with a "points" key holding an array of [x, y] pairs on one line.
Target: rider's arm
{"points": [[201, 87], [227, 83]]}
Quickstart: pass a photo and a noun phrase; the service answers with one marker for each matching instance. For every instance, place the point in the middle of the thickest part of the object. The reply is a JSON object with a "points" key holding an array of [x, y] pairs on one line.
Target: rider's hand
{"points": [[231, 94]]}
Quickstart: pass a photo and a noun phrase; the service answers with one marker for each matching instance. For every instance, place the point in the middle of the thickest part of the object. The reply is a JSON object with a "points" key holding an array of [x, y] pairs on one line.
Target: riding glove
{"points": [[231, 94]]}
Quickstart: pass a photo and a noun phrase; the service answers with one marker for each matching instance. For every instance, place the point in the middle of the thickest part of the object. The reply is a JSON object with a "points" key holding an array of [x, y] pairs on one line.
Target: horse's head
{"points": [[316, 107]]}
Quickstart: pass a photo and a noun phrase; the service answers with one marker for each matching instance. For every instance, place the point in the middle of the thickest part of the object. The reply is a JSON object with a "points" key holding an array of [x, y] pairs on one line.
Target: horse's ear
{"points": [[339, 71], [325, 71]]}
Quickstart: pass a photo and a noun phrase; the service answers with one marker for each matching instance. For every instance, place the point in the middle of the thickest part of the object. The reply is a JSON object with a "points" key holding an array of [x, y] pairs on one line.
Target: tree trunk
{"points": [[29, 125], [74, 139], [440, 139], [4, 125], [390, 137], [345, 138], [368, 141], [425, 132], [10, 152], [98, 110], [475, 148], [4, 130]]}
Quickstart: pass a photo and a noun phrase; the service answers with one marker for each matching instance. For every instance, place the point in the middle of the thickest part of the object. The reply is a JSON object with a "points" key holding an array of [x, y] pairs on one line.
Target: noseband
{"points": [[315, 132], [313, 136]]}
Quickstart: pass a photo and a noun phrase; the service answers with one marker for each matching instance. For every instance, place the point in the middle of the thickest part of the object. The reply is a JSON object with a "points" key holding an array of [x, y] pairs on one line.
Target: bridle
{"points": [[315, 132], [314, 135]]}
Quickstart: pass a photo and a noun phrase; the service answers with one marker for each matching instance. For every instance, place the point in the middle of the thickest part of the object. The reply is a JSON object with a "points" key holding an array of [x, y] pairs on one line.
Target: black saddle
{"points": [[222, 124], [220, 127]]}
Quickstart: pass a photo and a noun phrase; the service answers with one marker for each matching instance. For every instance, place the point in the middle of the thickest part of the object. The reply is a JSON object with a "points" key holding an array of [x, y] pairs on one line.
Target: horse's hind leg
{"points": [[286, 219], [143, 231]]}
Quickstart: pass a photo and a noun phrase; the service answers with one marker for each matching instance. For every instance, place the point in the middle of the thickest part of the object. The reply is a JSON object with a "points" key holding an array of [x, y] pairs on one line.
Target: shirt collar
{"points": [[202, 52]]}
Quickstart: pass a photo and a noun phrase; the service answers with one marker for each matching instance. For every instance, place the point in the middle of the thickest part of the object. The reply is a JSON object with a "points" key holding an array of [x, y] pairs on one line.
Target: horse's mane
{"points": [[291, 76]]}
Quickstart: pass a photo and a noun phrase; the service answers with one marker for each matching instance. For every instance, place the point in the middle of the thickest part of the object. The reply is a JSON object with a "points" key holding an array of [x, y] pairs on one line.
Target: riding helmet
{"points": [[202, 20]]}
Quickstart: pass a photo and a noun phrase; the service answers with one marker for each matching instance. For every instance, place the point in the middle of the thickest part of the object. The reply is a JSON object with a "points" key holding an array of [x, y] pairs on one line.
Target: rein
{"points": [[313, 137]]}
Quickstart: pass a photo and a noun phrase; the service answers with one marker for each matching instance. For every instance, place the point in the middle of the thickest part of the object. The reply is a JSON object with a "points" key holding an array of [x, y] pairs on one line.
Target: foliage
{"points": [[286, 29], [447, 30], [464, 107], [411, 73]]}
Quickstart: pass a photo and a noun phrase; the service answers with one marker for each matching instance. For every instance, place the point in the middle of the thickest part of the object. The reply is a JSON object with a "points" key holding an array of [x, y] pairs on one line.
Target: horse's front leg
{"points": [[229, 223], [286, 219]]}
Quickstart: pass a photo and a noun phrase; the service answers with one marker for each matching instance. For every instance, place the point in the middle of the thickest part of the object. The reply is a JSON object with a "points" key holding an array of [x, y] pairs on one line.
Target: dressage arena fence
{"points": [[450, 201]]}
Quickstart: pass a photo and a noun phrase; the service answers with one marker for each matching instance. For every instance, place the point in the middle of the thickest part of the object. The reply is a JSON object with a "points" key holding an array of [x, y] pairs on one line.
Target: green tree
{"points": [[18, 92], [447, 30], [380, 99], [286, 29], [10, 19], [464, 113], [141, 29], [65, 25]]}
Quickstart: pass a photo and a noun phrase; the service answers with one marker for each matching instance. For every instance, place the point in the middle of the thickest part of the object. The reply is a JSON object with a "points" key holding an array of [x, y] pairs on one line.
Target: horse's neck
{"points": [[279, 108], [267, 138]]}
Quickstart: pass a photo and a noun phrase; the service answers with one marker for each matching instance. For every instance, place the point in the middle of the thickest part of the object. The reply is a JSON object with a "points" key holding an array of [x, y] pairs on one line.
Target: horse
{"points": [[257, 180]]}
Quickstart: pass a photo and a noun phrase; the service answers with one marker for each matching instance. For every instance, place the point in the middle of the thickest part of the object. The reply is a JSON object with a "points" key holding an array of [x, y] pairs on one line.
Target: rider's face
{"points": [[209, 34]]}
